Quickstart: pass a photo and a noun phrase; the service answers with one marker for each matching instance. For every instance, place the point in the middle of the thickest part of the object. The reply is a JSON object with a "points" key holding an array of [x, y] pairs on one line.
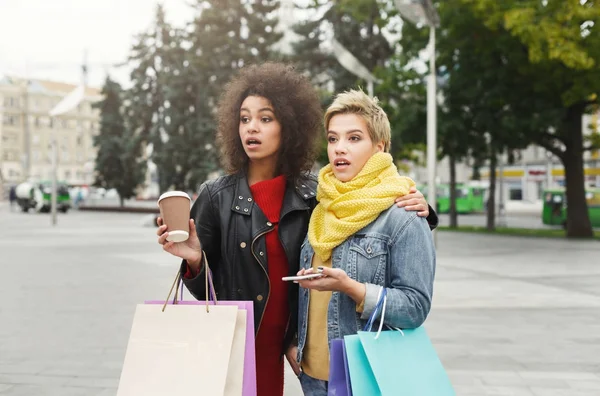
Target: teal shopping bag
{"points": [[362, 379], [404, 363]]}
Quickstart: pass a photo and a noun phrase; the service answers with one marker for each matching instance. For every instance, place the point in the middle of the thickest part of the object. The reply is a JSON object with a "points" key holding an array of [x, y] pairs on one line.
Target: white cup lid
{"points": [[178, 236], [173, 194]]}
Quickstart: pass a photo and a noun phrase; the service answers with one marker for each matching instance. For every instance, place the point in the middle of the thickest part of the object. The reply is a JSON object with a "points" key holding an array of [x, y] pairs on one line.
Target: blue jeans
{"points": [[312, 386]]}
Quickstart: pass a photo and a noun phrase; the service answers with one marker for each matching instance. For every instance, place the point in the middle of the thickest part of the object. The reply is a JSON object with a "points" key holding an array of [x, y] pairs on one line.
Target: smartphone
{"points": [[301, 277]]}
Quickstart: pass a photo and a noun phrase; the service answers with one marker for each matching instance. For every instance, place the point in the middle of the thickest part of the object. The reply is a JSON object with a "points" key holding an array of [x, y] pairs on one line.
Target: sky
{"points": [[46, 39]]}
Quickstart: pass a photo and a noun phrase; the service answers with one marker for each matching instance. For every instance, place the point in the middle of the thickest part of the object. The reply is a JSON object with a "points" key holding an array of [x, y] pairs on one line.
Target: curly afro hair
{"points": [[297, 108]]}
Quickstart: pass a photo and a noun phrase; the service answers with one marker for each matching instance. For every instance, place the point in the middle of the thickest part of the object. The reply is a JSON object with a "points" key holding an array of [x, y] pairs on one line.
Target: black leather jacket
{"points": [[232, 229]]}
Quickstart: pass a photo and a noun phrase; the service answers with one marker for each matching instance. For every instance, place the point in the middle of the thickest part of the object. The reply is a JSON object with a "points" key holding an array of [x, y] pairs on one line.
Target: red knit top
{"points": [[268, 195]]}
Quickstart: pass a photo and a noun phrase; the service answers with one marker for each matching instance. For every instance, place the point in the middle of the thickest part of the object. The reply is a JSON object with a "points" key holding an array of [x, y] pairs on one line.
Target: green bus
{"points": [[554, 211], [38, 196], [469, 199]]}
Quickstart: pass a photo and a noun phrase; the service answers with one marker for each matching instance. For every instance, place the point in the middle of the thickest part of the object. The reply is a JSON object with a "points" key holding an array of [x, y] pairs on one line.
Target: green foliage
{"points": [[179, 75], [357, 25], [118, 162], [551, 30]]}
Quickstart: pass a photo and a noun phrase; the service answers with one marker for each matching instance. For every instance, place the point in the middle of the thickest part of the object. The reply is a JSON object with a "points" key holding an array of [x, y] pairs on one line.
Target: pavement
{"points": [[511, 316]]}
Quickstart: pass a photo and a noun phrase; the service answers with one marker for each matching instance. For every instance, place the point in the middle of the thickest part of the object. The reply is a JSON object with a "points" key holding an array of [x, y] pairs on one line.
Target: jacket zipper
{"points": [[268, 280]]}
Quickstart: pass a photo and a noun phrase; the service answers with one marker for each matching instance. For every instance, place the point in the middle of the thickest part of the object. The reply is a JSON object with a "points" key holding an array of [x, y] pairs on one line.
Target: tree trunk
{"points": [[491, 203], [578, 217], [453, 214]]}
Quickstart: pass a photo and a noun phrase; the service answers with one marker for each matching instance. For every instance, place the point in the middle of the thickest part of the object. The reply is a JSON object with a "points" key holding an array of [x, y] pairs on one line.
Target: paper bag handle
{"points": [[209, 285]]}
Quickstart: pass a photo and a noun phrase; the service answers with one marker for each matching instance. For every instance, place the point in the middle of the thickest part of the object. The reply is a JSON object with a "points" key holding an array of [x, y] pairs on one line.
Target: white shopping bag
{"points": [[182, 351]]}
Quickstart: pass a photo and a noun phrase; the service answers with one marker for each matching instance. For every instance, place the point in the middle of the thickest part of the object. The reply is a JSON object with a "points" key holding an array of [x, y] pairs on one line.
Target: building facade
{"points": [[26, 130]]}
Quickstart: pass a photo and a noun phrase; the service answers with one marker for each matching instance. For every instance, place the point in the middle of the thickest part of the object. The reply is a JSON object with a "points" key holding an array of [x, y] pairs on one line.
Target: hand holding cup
{"points": [[176, 231]]}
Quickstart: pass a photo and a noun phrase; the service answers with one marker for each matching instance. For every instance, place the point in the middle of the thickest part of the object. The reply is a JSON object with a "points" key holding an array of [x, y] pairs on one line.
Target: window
{"points": [[10, 138], [11, 102], [9, 120], [516, 194], [9, 156]]}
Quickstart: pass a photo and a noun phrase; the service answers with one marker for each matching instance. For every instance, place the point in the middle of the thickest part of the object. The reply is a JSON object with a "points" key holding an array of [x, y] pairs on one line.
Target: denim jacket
{"points": [[395, 251]]}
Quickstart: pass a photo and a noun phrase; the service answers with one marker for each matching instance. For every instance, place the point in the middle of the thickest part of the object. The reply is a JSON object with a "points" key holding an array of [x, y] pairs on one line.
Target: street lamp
{"points": [[423, 12]]}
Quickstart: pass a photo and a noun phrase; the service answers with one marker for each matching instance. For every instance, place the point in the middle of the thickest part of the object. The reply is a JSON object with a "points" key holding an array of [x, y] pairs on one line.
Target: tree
{"points": [[146, 97], [181, 73], [528, 71], [118, 163], [358, 25], [558, 82]]}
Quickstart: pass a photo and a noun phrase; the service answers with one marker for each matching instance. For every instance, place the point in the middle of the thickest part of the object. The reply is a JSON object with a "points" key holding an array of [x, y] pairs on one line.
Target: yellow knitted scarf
{"points": [[345, 208]]}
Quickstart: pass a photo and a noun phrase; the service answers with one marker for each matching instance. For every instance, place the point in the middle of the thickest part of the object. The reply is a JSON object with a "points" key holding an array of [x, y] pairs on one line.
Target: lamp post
{"points": [[423, 12], [67, 104]]}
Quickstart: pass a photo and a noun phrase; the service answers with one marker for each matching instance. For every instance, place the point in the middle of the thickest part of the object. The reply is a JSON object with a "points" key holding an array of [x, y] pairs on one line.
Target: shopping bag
{"points": [[339, 379], [405, 363], [241, 379], [395, 362], [217, 368], [243, 339], [181, 351]]}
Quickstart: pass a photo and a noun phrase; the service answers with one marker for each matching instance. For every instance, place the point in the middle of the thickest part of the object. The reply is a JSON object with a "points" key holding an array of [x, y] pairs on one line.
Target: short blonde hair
{"points": [[357, 102]]}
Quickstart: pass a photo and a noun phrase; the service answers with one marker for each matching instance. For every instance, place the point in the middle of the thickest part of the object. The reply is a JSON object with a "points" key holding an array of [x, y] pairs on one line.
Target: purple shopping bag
{"points": [[339, 379], [249, 380]]}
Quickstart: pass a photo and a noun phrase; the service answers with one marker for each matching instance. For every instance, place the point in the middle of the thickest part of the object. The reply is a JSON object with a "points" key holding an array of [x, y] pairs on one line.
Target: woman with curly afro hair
{"points": [[250, 224]]}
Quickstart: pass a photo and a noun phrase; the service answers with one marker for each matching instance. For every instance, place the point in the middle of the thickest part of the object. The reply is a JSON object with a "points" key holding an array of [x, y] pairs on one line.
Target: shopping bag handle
{"points": [[209, 286], [381, 304]]}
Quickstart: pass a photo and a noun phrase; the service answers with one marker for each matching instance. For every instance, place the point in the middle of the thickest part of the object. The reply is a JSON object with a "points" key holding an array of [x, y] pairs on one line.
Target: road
{"points": [[511, 316]]}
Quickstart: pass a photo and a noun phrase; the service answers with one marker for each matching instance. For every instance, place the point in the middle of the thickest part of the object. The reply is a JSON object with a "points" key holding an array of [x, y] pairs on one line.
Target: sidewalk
{"points": [[510, 316]]}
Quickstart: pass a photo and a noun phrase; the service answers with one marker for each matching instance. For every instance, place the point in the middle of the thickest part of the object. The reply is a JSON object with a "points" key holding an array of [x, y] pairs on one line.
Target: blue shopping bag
{"points": [[405, 363], [394, 362]]}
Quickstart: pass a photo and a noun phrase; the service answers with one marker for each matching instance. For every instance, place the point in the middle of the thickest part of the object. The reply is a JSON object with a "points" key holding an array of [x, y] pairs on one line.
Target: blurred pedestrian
{"points": [[12, 197]]}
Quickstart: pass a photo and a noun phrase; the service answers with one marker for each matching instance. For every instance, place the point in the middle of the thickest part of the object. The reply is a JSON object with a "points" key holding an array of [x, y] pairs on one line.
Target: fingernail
{"points": [[320, 268]]}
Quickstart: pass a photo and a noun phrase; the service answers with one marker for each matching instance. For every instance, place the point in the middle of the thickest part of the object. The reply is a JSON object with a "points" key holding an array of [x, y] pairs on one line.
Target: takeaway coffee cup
{"points": [[175, 212]]}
